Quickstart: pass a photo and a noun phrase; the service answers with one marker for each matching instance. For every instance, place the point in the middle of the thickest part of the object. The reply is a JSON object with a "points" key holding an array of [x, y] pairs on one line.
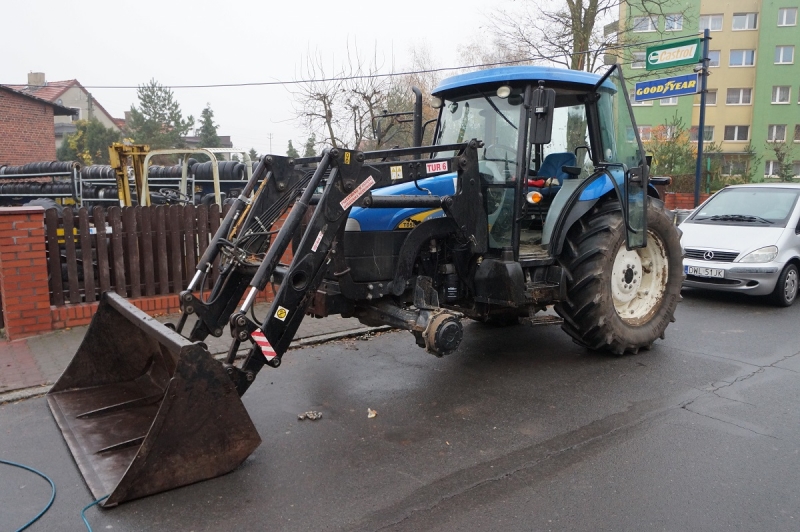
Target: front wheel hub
{"points": [[443, 334], [638, 280]]}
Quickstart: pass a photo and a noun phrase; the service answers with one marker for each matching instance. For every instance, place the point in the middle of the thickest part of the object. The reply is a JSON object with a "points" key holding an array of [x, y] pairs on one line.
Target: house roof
{"points": [[58, 110], [52, 90]]}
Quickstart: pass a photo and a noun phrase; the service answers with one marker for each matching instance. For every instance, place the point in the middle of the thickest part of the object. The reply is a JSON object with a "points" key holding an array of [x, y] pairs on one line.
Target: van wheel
{"points": [[786, 288], [620, 300]]}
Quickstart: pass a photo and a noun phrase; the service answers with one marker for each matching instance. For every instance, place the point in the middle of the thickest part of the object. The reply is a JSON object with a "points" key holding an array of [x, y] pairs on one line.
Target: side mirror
{"points": [[648, 159], [542, 106]]}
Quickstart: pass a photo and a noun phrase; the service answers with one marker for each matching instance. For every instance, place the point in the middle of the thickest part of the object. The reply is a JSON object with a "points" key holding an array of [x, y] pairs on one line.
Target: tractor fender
{"points": [[582, 200], [418, 237], [585, 197]]}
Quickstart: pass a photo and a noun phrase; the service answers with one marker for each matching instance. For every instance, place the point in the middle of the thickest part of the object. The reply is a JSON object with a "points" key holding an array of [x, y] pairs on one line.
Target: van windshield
{"points": [[760, 206]]}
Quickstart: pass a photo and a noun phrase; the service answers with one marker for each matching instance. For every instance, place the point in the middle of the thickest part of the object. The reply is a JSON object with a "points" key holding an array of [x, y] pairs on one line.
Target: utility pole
{"points": [[270, 141], [702, 125]]}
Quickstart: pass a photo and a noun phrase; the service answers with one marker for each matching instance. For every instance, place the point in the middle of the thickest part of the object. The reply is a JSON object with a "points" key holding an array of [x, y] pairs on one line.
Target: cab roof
{"points": [[497, 76]]}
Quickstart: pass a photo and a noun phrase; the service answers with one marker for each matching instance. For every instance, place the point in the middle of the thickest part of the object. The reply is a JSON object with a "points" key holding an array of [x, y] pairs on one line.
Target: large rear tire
{"points": [[620, 300]]}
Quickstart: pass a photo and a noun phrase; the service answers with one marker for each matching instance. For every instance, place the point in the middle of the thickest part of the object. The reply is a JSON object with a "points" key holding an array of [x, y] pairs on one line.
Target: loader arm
{"points": [[349, 184], [241, 238]]}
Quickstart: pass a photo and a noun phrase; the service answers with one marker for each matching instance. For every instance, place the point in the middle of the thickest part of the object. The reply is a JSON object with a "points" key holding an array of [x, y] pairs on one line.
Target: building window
{"points": [[713, 58], [781, 94], [644, 24], [745, 21], [737, 133], [642, 102], [739, 97], [668, 101], [711, 97], [787, 16], [645, 132], [742, 58], [776, 133], [796, 168], [638, 60], [711, 22], [771, 169], [733, 165], [665, 132], [797, 133], [708, 133], [784, 55], [673, 22]]}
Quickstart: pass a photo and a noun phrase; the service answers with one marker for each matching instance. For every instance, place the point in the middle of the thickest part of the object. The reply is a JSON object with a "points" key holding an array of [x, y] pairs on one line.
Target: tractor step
{"points": [[544, 319]]}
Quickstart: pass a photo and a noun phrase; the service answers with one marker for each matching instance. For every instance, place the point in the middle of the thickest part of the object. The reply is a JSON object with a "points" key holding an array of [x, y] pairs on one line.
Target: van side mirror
{"points": [[542, 106]]}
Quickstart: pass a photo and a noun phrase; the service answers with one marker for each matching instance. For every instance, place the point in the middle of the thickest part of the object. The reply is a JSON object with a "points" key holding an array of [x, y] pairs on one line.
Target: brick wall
{"points": [[23, 272], [24, 281], [26, 130], [682, 200]]}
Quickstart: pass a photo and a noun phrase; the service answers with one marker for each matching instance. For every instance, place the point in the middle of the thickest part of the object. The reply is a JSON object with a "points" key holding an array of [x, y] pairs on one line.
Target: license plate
{"points": [[705, 272]]}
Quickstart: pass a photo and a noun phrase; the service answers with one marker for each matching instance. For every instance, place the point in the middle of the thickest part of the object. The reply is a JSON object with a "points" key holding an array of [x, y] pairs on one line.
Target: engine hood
{"points": [[727, 237]]}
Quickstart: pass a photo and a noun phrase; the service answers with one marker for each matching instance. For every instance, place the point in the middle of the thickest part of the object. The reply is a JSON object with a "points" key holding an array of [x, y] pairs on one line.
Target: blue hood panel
{"points": [[389, 219]]}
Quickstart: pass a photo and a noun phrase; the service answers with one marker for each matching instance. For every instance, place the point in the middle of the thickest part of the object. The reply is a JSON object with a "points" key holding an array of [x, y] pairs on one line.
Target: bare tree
{"points": [[576, 33], [341, 107]]}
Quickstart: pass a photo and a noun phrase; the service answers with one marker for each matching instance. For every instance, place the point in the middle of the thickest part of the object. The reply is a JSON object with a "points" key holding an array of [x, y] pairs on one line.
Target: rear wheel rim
{"points": [[639, 279]]}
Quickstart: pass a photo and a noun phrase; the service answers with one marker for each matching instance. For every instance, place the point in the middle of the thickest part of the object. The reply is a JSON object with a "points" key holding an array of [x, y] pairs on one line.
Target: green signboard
{"points": [[673, 54]]}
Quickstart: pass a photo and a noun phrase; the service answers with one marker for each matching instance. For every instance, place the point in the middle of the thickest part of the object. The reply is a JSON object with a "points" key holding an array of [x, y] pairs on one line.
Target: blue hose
{"points": [[52, 495], [83, 516]]}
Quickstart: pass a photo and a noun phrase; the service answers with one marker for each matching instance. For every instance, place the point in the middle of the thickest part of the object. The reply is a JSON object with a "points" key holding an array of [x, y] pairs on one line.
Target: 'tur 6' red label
{"points": [[435, 167]]}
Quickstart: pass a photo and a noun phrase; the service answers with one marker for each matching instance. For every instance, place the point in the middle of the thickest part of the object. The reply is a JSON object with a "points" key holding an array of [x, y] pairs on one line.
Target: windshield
{"points": [[491, 119], [762, 206]]}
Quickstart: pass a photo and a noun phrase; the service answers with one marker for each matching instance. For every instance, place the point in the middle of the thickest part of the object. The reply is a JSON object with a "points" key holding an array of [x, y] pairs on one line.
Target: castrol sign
{"points": [[673, 54]]}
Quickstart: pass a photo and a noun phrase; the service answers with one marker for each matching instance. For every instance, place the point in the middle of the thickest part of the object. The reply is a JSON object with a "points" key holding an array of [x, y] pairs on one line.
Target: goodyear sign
{"points": [[666, 87], [673, 54]]}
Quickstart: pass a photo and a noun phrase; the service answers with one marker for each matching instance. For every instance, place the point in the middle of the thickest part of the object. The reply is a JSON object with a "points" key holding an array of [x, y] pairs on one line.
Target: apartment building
{"points": [[753, 98]]}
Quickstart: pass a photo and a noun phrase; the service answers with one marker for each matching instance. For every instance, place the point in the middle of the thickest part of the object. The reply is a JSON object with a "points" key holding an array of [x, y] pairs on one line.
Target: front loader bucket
{"points": [[144, 410]]}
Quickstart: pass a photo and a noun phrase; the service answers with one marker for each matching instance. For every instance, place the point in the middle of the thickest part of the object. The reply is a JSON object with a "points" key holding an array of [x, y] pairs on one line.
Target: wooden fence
{"points": [[134, 251]]}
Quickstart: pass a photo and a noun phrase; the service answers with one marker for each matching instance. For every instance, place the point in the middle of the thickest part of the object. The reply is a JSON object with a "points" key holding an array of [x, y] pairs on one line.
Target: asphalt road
{"points": [[519, 430]]}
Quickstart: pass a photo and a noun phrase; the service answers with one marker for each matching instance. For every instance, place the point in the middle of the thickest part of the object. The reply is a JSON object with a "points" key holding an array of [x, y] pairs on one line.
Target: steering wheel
{"points": [[499, 152], [171, 195]]}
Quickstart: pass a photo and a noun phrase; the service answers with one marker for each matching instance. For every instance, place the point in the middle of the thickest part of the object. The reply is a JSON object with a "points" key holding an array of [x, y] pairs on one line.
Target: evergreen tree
{"points": [[253, 154], [158, 120], [291, 151], [309, 149], [208, 137], [89, 144]]}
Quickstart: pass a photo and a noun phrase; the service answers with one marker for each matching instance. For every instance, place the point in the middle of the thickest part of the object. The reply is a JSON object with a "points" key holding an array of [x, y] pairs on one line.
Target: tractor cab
{"points": [[546, 133]]}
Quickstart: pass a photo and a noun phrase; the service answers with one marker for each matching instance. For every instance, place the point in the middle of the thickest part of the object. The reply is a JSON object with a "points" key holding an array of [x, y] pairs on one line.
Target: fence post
{"points": [[23, 272]]}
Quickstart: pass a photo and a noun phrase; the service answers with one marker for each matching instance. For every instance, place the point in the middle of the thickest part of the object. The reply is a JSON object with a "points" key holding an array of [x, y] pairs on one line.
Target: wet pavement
{"points": [[39, 361], [520, 429]]}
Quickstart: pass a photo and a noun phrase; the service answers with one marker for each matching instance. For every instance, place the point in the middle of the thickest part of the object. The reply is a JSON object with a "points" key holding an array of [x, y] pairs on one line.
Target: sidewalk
{"points": [[28, 366]]}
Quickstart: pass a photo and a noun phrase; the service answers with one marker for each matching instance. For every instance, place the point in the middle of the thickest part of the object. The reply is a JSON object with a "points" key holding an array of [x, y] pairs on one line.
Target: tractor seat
{"points": [[551, 168]]}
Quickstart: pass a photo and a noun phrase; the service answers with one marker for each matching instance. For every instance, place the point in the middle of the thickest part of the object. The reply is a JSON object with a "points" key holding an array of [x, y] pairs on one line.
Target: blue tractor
{"points": [[534, 195]]}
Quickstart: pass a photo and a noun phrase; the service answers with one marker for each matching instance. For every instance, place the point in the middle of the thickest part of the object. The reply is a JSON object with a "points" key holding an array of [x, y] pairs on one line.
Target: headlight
{"points": [[765, 254], [352, 225]]}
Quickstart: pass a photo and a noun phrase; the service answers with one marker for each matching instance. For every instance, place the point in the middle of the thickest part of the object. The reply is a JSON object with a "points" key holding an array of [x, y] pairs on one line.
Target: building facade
{"points": [[26, 127], [70, 94], [753, 98]]}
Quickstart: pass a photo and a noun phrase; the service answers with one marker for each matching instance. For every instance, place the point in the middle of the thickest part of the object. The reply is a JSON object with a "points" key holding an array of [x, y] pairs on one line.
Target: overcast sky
{"points": [[108, 43]]}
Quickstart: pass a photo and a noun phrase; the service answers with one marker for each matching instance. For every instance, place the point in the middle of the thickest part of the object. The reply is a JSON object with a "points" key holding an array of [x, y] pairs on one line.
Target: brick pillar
{"points": [[23, 272]]}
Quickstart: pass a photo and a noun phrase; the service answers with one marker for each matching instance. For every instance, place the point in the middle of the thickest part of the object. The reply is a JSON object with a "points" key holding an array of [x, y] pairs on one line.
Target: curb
{"points": [[36, 391]]}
